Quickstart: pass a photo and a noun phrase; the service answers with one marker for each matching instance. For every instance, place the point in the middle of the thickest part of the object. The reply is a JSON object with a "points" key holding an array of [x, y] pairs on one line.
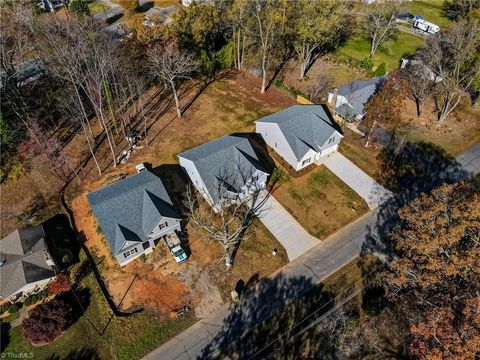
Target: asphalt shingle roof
{"points": [[357, 93], [22, 254], [129, 209], [227, 161], [304, 126]]}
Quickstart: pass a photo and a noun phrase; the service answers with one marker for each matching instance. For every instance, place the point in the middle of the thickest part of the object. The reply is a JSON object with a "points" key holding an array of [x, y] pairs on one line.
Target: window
{"points": [[130, 252], [275, 144], [146, 245], [255, 178], [306, 161], [164, 225], [331, 140]]}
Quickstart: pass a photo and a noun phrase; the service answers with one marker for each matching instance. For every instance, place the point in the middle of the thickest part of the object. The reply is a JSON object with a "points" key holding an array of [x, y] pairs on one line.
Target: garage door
{"points": [[329, 150]]}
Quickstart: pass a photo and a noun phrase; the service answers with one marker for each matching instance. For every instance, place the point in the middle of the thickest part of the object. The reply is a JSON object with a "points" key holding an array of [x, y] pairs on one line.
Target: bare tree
{"points": [[453, 55], [231, 215], [170, 64], [380, 24], [319, 90], [75, 112], [267, 16], [420, 84]]}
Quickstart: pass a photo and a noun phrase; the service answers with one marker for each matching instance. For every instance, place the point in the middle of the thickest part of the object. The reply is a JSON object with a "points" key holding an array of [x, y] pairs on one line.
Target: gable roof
{"points": [[129, 209], [23, 258], [228, 161], [305, 127], [358, 93]]}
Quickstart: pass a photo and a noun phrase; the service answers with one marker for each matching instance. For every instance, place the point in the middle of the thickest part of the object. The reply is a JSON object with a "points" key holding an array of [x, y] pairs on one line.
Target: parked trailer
{"points": [[174, 244], [426, 26]]}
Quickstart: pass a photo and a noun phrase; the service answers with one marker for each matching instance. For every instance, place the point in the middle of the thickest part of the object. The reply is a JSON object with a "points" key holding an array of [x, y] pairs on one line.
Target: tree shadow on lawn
{"points": [[411, 168], [85, 353], [261, 320], [61, 241], [4, 335]]}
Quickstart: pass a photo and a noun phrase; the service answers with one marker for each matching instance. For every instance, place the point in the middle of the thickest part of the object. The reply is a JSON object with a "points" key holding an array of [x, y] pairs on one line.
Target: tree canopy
{"points": [[433, 280]]}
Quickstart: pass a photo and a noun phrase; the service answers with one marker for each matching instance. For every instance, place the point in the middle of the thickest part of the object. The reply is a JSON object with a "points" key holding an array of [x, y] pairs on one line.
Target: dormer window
{"points": [[163, 225], [331, 140]]}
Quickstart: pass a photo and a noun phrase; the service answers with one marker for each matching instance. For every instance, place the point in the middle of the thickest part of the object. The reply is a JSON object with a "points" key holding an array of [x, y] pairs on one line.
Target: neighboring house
{"points": [[225, 169], [349, 100], [133, 214], [25, 72], [26, 266], [301, 134], [156, 15], [426, 70]]}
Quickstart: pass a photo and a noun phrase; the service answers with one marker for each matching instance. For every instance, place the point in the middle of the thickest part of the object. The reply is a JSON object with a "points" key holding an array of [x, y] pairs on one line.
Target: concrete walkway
{"points": [[294, 238], [470, 160], [370, 190], [363, 235]]}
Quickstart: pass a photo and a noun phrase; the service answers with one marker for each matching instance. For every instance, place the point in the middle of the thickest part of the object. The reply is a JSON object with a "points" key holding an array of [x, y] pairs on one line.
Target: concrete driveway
{"points": [[294, 238], [370, 190], [470, 160]]}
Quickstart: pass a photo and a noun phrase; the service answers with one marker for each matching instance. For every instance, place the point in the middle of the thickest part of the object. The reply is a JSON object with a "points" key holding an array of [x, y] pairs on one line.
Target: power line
{"points": [[318, 310]]}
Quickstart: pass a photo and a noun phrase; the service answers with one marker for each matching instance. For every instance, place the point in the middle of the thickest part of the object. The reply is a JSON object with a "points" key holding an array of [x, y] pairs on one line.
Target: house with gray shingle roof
{"points": [[223, 170], [133, 214], [301, 134], [26, 266], [349, 100]]}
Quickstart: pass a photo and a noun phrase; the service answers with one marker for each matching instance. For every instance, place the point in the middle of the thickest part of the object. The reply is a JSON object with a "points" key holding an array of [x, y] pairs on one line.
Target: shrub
{"points": [[61, 284], [49, 320], [381, 70], [13, 308], [79, 6], [367, 63]]}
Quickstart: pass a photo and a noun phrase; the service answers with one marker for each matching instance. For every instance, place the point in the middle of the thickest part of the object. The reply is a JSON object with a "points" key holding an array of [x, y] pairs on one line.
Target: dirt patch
{"points": [[339, 73], [207, 297], [138, 284]]}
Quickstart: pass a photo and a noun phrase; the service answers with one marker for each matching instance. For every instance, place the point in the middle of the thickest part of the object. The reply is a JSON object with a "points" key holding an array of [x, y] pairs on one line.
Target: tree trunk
{"points": [[91, 151], [228, 258], [264, 73], [177, 103], [417, 102], [110, 144]]}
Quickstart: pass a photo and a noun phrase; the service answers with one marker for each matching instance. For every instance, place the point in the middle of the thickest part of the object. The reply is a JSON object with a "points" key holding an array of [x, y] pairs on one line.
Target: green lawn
{"points": [[320, 201], [94, 334], [97, 7], [358, 48], [430, 10]]}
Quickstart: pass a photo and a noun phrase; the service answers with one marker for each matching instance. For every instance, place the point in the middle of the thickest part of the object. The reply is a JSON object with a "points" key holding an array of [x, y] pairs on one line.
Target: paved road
{"points": [[294, 238], [470, 160], [370, 190], [313, 267], [221, 328], [114, 10]]}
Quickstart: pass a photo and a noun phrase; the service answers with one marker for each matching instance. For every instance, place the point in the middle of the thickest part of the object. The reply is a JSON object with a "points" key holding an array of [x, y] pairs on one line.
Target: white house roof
{"points": [[304, 127]]}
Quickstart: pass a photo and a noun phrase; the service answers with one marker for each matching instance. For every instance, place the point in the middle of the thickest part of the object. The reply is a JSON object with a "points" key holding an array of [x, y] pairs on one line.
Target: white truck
{"points": [[174, 244], [426, 26]]}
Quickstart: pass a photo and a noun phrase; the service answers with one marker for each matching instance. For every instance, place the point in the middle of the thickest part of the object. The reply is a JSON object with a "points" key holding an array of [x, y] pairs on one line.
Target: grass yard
{"points": [[358, 48], [353, 148], [120, 338], [97, 7], [430, 10], [320, 201]]}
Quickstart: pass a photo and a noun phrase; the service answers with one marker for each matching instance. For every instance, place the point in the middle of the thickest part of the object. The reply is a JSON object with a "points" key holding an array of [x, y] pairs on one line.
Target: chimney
{"points": [[334, 97]]}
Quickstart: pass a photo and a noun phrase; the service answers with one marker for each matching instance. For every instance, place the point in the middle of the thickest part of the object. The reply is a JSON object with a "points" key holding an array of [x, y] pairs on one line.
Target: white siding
{"points": [[189, 167], [273, 136]]}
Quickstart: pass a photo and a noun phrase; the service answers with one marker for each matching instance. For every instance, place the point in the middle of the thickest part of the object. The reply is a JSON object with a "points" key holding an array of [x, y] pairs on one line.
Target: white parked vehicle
{"points": [[174, 244], [426, 26], [140, 167]]}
